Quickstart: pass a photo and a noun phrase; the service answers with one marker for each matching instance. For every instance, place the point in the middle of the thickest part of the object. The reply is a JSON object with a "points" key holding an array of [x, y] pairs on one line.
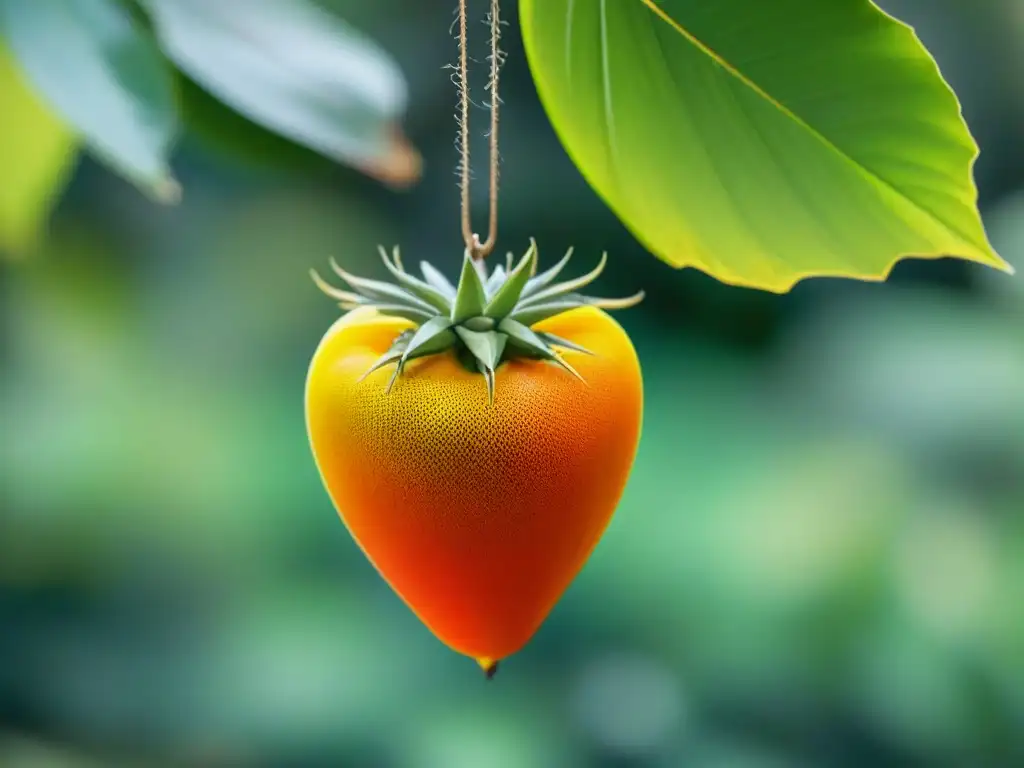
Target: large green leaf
{"points": [[103, 76], [762, 142], [292, 67], [36, 153]]}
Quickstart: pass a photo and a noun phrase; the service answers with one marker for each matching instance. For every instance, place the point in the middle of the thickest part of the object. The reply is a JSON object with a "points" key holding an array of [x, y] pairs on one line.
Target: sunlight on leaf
{"points": [[762, 143], [37, 153]]}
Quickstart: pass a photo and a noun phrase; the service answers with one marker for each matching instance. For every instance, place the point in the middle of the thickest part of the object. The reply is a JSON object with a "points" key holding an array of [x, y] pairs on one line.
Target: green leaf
{"points": [[406, 312], [530, 314], [533, 314], [761, 142], [382, 291], [94, 67], [507, 295], [414, 285], [37, 154], [296, 69], [470, 297], [486, 348], [437, 279], [431, 337], [495, 279], [393, 355], [525, 338], [557, 341], [546, 277], [569, 286]]}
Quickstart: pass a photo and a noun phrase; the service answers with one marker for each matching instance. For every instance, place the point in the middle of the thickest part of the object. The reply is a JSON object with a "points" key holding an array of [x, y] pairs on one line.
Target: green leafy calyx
{"points": [[486, 320]]}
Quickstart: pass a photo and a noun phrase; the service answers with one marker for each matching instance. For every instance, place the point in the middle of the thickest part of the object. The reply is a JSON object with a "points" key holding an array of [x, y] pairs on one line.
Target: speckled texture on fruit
{"points": [[479, 515]]}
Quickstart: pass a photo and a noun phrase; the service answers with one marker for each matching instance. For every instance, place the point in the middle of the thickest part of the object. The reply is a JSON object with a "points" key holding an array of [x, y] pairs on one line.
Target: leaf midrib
{"points": [[757, 89]]}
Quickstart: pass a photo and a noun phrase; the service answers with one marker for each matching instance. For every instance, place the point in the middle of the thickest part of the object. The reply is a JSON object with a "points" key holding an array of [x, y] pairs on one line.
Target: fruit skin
{"points": [[478, 515]]}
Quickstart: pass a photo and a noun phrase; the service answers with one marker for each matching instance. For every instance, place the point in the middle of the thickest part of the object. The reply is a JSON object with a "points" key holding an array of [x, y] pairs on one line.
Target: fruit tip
{"points": [[489, 666]]}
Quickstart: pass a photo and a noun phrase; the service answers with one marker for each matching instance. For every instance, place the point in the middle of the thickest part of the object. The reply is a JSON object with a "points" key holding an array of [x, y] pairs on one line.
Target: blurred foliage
{"points": [[818, 561], [35, 155], [118, 77], [92, 66]]}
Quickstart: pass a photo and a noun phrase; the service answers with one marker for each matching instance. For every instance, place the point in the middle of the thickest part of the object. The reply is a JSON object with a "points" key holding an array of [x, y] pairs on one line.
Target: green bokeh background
{"points": [[819, 560]]}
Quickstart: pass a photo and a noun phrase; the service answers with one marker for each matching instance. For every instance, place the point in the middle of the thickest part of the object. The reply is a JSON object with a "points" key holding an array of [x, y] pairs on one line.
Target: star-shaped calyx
{"points": [[486, 320]]}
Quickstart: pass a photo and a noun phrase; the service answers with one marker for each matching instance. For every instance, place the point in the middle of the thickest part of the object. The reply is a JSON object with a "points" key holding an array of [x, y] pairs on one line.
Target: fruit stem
{"points": [[477, 249]]}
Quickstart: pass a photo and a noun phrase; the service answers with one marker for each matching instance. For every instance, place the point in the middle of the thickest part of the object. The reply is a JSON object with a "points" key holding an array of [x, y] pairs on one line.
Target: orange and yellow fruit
{"points": [[479, 475]]}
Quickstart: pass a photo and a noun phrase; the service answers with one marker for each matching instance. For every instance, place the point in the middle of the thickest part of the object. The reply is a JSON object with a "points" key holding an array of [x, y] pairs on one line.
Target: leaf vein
{"points": [[657, 10]]}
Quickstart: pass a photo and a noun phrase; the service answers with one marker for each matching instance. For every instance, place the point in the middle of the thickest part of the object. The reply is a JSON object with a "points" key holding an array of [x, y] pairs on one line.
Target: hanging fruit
{"points": [[475, 440]]}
